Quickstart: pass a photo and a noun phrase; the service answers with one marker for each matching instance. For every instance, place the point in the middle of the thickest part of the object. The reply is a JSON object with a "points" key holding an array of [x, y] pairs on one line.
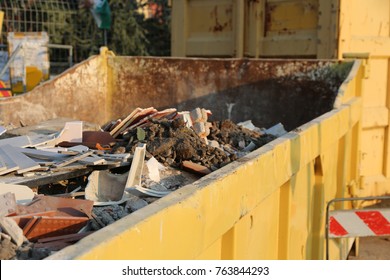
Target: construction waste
{"points": [[57, 188]]}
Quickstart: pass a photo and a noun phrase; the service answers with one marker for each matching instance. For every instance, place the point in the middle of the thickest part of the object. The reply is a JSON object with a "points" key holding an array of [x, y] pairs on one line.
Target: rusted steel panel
{"points": [[235, 89], [75, 94], [107, 87]]}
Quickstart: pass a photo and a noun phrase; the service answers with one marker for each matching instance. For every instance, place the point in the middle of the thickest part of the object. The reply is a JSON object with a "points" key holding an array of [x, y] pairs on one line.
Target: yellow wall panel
{"points": [[372, 152], [287, 16], [371, 18], [375, 87]]}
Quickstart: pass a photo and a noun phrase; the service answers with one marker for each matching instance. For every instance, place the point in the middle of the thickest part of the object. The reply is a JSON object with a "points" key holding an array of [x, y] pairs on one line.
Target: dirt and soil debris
{"points": [[172, 142]]}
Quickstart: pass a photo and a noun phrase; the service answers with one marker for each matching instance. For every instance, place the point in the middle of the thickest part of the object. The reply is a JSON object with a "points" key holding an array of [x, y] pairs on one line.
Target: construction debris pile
{"points": [[128, 164], [186, 139]]}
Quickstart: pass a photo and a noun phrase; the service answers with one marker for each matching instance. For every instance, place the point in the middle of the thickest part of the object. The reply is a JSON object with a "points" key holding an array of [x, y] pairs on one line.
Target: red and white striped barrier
{"points": [[358, 223]]}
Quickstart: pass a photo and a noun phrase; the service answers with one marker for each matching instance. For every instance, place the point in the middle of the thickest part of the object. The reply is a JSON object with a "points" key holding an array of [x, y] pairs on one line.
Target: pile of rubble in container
{"points": [[128, 164]]}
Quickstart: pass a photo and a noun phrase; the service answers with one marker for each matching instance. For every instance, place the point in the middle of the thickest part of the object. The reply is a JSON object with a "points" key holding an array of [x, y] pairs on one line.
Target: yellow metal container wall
{"points": [[365, 34], [207, 28], [271, 28], [317, 29], [276, 195]]}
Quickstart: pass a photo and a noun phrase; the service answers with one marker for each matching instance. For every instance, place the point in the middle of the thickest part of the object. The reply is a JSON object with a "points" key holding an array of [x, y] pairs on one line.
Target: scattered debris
{"points": [[118, 170]]}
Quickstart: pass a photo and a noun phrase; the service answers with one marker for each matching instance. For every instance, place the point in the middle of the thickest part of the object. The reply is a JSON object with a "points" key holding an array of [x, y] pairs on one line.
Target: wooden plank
{"points": [[73, 159], [139, 118], [92, 160], [22, 161], [115, 132]]}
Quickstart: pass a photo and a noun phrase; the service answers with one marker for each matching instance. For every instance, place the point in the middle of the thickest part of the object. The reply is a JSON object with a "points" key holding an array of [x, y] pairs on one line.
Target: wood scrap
{"points": [[137, 116], [72, 159], [122, 125]]}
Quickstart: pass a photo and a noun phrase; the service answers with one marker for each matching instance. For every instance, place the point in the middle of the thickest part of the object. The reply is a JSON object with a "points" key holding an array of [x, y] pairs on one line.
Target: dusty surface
{"points": [[373, 248]]}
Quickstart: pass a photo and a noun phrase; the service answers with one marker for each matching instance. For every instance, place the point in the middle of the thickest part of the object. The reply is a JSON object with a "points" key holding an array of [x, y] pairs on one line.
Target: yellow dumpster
{"points": [[306, 29], [269, 204]]}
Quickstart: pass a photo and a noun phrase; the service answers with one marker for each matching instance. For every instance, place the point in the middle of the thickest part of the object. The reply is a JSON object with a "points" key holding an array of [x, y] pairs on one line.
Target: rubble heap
{"points": [[174, 141], [179, 147]]}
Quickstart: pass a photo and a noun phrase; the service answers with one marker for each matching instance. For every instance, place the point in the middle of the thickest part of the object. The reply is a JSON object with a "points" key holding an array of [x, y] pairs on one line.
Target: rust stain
{"points": [[268, 21], [218, 26]]}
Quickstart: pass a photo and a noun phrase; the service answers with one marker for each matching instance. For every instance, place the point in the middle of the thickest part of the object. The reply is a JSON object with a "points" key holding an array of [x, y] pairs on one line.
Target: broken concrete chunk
{"points": [[10, 227], [105, 188], [7, 248], [135, 203], [7, 204]]}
